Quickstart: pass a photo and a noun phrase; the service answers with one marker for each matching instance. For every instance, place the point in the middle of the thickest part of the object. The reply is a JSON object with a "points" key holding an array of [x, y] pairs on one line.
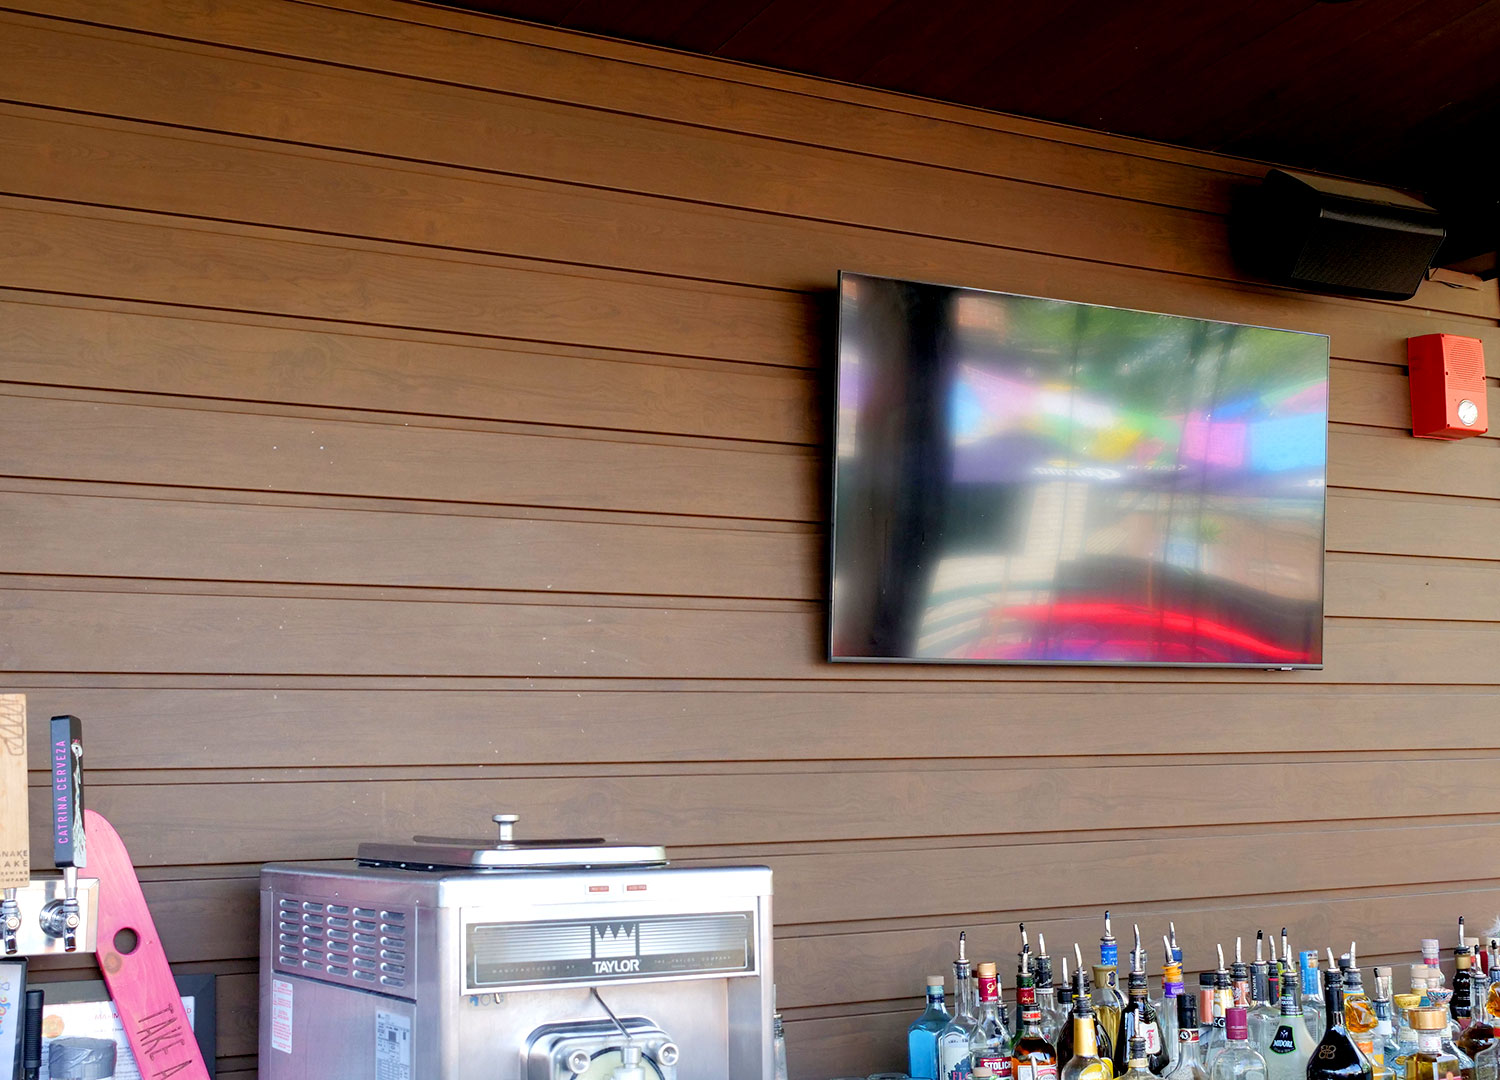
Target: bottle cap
{"points": [[981, 1072], [1237, 1022], [1407, 1002], [1205, 978], [1137, 1050], [935, 980], [1431, 946], [1382, 973], [985, 969], [1429, 1019], [1187, 1011]]}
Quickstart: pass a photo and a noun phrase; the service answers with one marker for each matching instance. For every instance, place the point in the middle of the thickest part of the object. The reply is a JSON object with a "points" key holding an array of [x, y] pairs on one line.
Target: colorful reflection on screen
{"points": [[1026, 480]]}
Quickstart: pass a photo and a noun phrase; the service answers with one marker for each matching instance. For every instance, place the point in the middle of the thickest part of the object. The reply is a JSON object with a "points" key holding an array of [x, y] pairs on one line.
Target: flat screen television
{"points": [[1030, 481]]}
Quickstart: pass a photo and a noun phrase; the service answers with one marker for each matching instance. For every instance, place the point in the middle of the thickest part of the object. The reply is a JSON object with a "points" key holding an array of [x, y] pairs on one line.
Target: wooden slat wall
{"points": [[409, 415]]}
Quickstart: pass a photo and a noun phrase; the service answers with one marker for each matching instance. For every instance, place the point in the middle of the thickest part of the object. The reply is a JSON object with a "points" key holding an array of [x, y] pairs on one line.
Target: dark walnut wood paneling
{"points": [[367, 362]]}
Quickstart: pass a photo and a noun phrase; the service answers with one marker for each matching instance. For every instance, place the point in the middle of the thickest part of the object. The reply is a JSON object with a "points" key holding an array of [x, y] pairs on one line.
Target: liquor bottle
{"points": [[1359, 1015], [1279, 962], [990, 1046], [1461, 1008], [954, 1061], [1404, 1040], [1136, 1058], [1239, 1061], [1064, 1004], [1431, 1060], [1385, 1028], [1166, 1005], [1480, 1034], [1099, 1046], [1187, 1065], [1312, 992], [1487, 1065], [1336, 1057], [1046, 994], [1214, 1039], [1139, 1018], [1108, 1002], [1032, 1055], [1265, 1017], [1239, 979], [1432, 953], [922, 1036], [1291, 1044]]}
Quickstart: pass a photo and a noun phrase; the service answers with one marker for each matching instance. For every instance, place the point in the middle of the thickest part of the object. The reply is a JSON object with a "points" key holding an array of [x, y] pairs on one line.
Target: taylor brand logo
{"points": [[617, 967], [614, 940]]}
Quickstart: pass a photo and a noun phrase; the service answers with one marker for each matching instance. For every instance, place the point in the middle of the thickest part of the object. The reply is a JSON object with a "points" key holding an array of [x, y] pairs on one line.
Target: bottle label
{"points": [[1025, 995], [1171, 989], [1041, 1070], [1151, 1033], [1031, 1014], [961, 1069], [1241, 992], [989, 988], [1109, 954], [1284, 1041], [1002, 1067], [1189, 1035], [1220, 1022]]}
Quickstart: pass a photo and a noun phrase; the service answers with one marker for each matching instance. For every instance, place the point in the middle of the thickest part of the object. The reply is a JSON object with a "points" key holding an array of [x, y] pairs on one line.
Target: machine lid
{"points": [[508, 853]]}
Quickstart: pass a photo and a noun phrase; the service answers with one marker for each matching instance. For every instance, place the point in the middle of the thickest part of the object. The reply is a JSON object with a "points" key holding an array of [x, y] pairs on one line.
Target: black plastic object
{"points": [[31, 1039], [1337, 236]]}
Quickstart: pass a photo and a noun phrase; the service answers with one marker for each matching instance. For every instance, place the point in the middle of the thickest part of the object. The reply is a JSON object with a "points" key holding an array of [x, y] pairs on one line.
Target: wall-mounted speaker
{"points": [[1338, 236]]}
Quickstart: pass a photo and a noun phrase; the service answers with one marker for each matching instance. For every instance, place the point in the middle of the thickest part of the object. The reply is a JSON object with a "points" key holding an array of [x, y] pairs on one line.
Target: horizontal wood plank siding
{"points": [[388, 368]]}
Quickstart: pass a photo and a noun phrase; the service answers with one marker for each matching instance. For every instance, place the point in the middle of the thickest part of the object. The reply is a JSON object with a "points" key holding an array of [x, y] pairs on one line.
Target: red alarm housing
{"points": [[1447, 386]]}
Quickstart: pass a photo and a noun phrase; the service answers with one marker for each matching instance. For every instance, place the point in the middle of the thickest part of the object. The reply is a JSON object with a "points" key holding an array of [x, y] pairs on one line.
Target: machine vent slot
{"points": [[320, 940]]}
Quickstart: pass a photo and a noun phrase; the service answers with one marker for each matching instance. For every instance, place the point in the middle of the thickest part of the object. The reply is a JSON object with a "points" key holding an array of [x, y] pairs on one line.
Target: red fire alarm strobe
{"points": [[1447, 386]]}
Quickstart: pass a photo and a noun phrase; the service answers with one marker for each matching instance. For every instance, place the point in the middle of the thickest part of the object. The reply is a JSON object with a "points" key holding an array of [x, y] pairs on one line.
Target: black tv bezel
{"points": [[832, 444]]}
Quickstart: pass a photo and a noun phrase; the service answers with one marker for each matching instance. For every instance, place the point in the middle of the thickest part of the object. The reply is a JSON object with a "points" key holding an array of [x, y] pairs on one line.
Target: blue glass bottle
{"points": [[921, 1037]]}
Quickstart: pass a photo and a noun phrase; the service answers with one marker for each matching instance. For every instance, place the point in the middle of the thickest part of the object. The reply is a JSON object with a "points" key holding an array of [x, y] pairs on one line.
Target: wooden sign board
{"points": [[15, 831]]}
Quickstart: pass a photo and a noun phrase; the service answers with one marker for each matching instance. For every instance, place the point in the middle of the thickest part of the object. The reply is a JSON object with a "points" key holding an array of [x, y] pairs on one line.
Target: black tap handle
{"points": [[31, 1044], [67, 792]]}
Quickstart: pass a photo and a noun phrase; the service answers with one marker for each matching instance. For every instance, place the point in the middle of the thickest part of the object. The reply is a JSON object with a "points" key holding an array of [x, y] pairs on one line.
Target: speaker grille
{"points": [[1365, 251], [1466, 360]]}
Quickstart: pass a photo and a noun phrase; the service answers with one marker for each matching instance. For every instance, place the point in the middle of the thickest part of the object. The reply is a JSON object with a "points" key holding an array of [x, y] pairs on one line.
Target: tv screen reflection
{"points": [[1021, 480]]}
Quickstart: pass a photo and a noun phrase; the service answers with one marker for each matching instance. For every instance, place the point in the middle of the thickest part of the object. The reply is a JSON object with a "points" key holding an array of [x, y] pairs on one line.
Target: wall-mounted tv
{"points": [[1031, 481]]}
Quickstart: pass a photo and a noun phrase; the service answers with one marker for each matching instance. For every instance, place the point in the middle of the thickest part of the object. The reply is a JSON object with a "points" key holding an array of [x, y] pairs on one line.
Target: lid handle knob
{"points": [[507, 823]]}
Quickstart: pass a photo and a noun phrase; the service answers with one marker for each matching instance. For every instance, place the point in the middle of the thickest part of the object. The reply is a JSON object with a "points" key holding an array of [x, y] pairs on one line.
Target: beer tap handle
{"points": [[10, 921], [68, 850]]}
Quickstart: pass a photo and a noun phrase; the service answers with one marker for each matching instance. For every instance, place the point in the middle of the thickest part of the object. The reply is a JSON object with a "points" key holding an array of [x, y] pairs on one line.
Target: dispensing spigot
{"points": [[60, 918], [666, 1060], [10, 921]]}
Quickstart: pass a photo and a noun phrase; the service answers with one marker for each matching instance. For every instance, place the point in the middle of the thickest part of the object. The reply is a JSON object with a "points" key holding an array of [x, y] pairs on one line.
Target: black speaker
{"points": [[1336, 236]]}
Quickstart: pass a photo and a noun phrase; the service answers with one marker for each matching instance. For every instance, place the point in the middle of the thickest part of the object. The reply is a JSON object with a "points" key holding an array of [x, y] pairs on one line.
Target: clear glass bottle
{"points": [[1166, 1005], [992, 1041], [1139, 1018], [990, 1046], [1053, 1015], [1404, 1040], [1380, 999], [1136, 1067], [1186, 1064], [1291, 1044], [1431, 1060], [1032, 1054], [954, 1041], [1265, 1015], [1239, 1061], [1487, 1064], [1336, 1057], [1085, 1060], [1312, 992], [922, 1036], [1214, 1039]]}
